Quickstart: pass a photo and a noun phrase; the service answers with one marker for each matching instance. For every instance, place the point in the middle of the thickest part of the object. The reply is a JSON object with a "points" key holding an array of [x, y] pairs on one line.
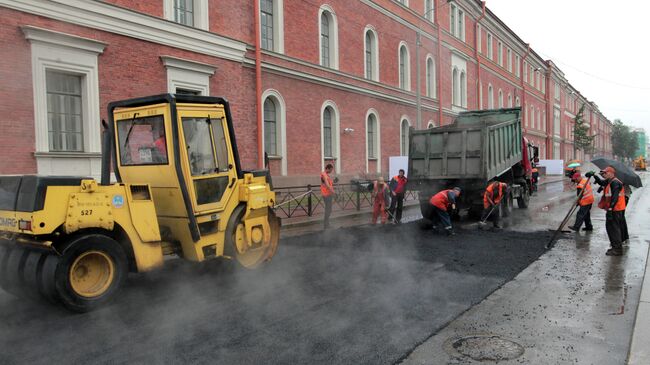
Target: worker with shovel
{"points": [[585, 202], [380, 197], [494, 194]]}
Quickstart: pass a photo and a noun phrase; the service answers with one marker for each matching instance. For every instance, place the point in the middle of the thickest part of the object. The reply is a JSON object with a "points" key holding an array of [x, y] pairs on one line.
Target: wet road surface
{"points": [[572, 306], [357, 295]]}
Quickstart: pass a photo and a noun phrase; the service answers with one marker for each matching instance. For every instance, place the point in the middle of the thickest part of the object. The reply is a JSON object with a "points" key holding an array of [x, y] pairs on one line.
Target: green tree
{"points": [[581, 138], [624, 141]]}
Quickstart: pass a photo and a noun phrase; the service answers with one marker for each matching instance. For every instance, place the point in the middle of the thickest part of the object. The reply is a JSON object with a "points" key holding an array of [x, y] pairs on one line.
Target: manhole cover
{"points": [[487, 347]]}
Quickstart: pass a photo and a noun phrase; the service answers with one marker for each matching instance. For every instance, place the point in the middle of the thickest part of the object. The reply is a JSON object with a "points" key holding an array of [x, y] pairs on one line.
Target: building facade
{"points": [[310, 82]]}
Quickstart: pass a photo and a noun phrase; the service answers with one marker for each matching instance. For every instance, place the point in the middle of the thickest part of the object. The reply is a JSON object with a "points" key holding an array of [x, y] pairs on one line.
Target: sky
{"points": [[601, 46]]}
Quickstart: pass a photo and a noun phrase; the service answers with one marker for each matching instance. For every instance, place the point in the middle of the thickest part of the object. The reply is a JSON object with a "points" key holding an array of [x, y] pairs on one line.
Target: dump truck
{"points": [[640, 163], [479, 146], [180, 191]]}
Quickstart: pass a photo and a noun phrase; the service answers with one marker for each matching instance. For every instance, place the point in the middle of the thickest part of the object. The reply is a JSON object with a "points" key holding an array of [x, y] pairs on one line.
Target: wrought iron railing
{"points": [[306, 201]]}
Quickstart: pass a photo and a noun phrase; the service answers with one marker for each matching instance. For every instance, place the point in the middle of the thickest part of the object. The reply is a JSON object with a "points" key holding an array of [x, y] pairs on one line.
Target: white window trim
{"points": [[489, 40], [336, 144], [431, 124], [57, 51], [278, 26], [462, 81], [501, 105], [375, 54], [429, 13], [509, 62], [374, 112], [500, 53], [478, 39], [201, 20], [431, 86], [460, 17], [189, 75], [509, 100], [334, 37], [281, 134], [407, 64], [402, 119], [480, 95], [490, 97]]}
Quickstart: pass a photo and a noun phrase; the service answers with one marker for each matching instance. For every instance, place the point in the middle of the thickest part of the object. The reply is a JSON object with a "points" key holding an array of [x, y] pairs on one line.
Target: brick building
{"points": [[330, 80]]}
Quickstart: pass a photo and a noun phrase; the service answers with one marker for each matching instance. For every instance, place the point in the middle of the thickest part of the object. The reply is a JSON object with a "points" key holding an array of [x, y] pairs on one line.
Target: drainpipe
{"points": [[439, 67], [476, 55], [258, 85], [549, 109], [523, 83]]}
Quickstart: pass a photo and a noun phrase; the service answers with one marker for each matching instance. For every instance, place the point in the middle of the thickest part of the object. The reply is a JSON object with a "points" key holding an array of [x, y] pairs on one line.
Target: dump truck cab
{"points": [[179, 189]]}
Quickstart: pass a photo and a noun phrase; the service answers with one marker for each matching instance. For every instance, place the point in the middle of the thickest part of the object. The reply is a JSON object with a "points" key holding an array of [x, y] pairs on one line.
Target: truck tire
{"points": [[524, 199], [89, 273], [506, 206]]}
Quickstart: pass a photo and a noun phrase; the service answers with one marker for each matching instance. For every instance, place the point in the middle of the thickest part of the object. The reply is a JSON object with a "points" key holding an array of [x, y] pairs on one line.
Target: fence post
{"points": [[358, 197], [309, 211]]}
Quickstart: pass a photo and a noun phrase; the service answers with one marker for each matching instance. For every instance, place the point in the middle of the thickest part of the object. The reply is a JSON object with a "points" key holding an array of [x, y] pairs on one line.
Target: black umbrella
{"points": [[623, 173]]}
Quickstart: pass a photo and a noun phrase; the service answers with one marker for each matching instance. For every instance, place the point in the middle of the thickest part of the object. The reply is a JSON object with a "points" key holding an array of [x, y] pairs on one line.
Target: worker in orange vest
{"points": [[613, 202], [380, 197], [442, 202], [492, 197], [327, 192], [397, 186], [585, 203]]}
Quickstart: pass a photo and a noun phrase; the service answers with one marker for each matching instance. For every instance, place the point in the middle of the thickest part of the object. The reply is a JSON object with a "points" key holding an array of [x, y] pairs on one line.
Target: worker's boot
{"points": [[450, 231], [614, 251]]}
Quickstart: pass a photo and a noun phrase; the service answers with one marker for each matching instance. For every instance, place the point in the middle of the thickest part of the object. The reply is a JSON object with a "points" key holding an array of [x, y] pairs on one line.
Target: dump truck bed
{"points": [[478, 145]]}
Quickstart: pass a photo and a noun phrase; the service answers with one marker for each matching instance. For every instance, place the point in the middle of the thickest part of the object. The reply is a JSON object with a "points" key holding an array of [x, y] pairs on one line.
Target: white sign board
{"points": [[395, 163], [553, 167]]}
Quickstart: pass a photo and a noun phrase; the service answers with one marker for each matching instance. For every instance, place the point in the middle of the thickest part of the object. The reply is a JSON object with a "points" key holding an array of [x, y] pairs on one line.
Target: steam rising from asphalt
{"points": [[359, 295]]}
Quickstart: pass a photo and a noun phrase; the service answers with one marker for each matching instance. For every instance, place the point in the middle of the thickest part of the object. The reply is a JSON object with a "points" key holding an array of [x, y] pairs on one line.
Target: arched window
{"points": [[330, 134], [517, 102], [509, 100], [274, 127], [371, 56], [455, 87], [328, 38], [404, 68], [404, 137], [431, 78], [431, 124], [463, 89], [371, 128], [500, 98], [270, 128], [490, 97]]}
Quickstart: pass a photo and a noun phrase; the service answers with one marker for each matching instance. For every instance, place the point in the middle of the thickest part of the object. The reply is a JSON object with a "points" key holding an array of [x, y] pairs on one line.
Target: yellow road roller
{"points": [[179, 190]]}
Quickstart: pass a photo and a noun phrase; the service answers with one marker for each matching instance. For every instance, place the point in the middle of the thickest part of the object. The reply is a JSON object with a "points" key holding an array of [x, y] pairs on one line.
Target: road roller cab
{"points": [[179, 190]]}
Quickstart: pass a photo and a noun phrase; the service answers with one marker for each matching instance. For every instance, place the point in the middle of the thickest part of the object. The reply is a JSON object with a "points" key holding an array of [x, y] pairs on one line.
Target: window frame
{"points": [[374, 53], [376, 143], [336, 123], [333, 38], [278, 27], [404, 69], [201, 13], [404, 140], [430, 76]]}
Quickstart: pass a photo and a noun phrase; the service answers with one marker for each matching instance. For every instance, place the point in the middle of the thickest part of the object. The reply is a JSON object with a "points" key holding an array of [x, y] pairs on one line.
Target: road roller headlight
{"points": [[25, 225]]}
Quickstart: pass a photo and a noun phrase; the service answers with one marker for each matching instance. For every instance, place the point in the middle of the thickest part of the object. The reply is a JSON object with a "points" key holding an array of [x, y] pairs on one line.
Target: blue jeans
{"points": [[441, 216]]}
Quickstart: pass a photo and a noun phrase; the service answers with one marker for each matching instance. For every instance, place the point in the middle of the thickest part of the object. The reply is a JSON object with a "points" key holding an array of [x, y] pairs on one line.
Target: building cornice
{"points": [[188, 65], [114, 19], [35, 34]]}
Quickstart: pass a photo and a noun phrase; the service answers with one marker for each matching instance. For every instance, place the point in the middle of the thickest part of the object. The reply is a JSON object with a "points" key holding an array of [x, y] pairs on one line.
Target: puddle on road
{"points": [[484, 347]]}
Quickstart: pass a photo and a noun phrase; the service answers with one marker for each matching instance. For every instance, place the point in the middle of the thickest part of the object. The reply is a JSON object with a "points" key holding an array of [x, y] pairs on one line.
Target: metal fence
{"points": [[306, 201]]}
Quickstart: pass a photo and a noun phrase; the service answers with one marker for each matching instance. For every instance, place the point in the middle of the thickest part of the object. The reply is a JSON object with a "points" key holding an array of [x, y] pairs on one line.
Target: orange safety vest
{"points": [[606, 199], [324, 189], [380, 194], [489, 193], [587, 194], [440, 200]]}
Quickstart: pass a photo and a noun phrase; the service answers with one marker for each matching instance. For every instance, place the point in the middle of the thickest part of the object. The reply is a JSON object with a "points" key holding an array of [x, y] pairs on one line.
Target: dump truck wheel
{"points": [[507, 205], [524, 199], [248, 255], [91, 269]]}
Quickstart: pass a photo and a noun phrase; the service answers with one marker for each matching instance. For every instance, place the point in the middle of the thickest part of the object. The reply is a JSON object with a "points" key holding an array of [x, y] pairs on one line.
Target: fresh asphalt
{"points": [[357, 295]]}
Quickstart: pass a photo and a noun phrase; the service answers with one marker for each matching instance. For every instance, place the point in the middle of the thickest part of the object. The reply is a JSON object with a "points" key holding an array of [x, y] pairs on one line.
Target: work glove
{"points": [[590, 174]]}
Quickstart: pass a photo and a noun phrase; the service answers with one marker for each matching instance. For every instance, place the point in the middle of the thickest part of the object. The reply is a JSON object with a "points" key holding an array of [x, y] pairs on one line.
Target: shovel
{"points": [[551, 242]]}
